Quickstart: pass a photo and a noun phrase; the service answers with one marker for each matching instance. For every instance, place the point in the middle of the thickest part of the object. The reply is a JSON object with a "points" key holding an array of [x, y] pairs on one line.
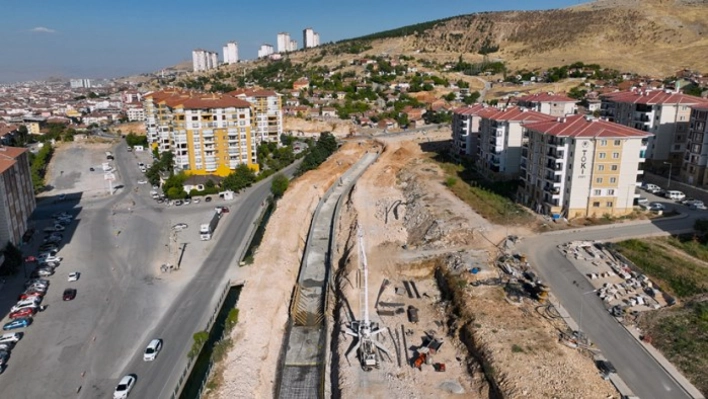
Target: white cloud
{"points": [[42, 29]]}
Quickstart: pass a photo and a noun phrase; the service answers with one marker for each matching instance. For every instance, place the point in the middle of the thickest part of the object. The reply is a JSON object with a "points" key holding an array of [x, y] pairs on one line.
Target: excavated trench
{"points": [[463, 327]]}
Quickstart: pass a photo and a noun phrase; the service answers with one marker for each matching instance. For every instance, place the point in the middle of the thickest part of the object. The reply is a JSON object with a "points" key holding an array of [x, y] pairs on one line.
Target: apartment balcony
{"points": [[552, 165], [556, 154], [495, 161]]}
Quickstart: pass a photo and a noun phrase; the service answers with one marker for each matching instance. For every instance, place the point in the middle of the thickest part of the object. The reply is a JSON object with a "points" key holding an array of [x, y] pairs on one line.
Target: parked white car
{"points": [[74, 276], [10, 337]]}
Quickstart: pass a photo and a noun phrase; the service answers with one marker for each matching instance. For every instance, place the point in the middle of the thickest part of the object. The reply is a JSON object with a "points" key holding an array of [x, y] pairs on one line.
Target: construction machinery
{"points": [[365, 331]]}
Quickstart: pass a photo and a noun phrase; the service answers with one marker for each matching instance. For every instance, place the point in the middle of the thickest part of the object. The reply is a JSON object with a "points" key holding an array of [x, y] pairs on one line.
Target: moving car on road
{"points": [[153, 348], [74, 276], [179, 226], [656, 206], [18, 323], [124, 387], [69, 294]]}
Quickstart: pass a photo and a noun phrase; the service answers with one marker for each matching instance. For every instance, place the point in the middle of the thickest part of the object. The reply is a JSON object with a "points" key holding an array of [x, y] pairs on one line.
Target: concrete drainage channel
{"points": [[302, 359]]}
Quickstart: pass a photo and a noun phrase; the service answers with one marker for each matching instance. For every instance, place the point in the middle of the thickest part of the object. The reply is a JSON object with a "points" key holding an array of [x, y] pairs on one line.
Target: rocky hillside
{"points": [[648, 36]]}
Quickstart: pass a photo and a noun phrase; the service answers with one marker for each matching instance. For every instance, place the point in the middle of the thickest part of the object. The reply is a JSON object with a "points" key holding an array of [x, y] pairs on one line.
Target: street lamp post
{"points": [[582, 307], [668, 185]]}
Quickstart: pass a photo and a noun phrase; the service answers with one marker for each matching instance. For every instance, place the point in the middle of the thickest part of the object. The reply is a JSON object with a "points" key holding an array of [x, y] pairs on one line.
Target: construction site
{"points": [[412, 294]]}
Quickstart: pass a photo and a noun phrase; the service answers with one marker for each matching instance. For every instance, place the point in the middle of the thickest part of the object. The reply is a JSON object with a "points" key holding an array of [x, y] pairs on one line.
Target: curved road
{"points": [[644, 375]]}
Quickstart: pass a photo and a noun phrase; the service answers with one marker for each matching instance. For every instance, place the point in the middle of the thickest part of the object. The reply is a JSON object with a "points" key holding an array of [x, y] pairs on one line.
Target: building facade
{"points": [[310, 38], [16, 194], [203, 60], [663, 113], [136, 114], [80, 83], [465, 130], [549, 103], [230, 53], [283, 42], [695, 160], [500, 140], [580, 166], [267, 112], [207, 133], [265, 50]]}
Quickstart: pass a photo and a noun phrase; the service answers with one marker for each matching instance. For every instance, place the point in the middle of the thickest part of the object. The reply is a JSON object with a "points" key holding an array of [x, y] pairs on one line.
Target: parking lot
{"points": [[118, 244]]}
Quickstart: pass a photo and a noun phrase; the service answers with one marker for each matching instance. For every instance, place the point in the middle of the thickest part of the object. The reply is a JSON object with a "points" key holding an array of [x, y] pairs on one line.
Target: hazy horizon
{"points": [[93, 40]]}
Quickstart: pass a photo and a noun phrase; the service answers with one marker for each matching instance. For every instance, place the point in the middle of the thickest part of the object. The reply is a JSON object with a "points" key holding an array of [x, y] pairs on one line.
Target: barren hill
{"points": [[655, 37]]}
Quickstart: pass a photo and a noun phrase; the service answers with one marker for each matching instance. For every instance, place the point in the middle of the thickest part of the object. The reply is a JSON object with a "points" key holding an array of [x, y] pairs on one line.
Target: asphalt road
{"points": [[191, 310], [121, 304], [638, 369]]}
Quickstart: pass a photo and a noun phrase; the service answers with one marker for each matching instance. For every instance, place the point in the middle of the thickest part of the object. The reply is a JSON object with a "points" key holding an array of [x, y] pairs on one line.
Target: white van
{"points": [[675, 195]]}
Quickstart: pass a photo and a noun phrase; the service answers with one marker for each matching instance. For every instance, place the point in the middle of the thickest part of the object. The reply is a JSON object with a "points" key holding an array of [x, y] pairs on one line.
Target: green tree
{"points": [[240, 178], [450, 96], [279, 185], [133, 139]]}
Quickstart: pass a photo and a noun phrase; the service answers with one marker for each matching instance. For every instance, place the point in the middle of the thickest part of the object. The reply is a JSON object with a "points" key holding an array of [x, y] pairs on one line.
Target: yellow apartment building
{"points": [[579, 166]]}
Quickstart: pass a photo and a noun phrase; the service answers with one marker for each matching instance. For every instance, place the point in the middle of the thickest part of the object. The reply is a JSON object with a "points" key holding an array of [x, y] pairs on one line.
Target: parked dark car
{"points": [[69, 294]]}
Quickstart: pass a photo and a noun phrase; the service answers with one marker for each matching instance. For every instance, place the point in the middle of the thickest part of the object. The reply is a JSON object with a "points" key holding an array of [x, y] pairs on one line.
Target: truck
{"points": [[206, 230]]}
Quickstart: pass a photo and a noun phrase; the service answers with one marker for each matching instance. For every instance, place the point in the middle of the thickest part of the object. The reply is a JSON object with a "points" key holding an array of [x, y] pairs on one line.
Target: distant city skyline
{"points": [[89, 39]]}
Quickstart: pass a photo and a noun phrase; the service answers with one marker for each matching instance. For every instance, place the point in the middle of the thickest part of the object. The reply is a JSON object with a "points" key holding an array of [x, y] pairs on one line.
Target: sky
{"points": [[106, 39]]}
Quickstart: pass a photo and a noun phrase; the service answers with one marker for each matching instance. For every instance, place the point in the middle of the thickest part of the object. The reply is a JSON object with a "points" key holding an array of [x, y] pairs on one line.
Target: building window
{"points": [[600, 167], [603, 142], [609, 204], [597, 192], [618, 142], [602, 155], [596, 204], [598, 180], [615, 155], [614, 167], [613, 180], [610, 192]]}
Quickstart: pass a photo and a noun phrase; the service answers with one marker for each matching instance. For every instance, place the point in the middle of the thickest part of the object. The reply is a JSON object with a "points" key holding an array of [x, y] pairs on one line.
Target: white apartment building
{"points": [[293, 45], [549, 103], [265, 50], [663, 113], [465, 130], [310, 38], [283, 42], [267, 111], [80, 83], [230, 53], [135, 114], [500, 140], [203, 60], [579, 166]]}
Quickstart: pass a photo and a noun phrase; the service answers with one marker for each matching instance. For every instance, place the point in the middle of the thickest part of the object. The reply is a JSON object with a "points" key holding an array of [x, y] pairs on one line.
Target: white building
{"points": [[265, 50], [501, 138], [80, 83], [310, 38], [551, 104], [579, 166], [465, 130], [230, 53], [267, 112], [283, 42], [135, 114], [203, 60], [665, 114], [293, 45]]}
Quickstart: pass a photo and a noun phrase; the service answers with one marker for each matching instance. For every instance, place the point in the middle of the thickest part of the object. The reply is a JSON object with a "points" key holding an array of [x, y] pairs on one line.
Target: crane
{"points": [[365, 331]]}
